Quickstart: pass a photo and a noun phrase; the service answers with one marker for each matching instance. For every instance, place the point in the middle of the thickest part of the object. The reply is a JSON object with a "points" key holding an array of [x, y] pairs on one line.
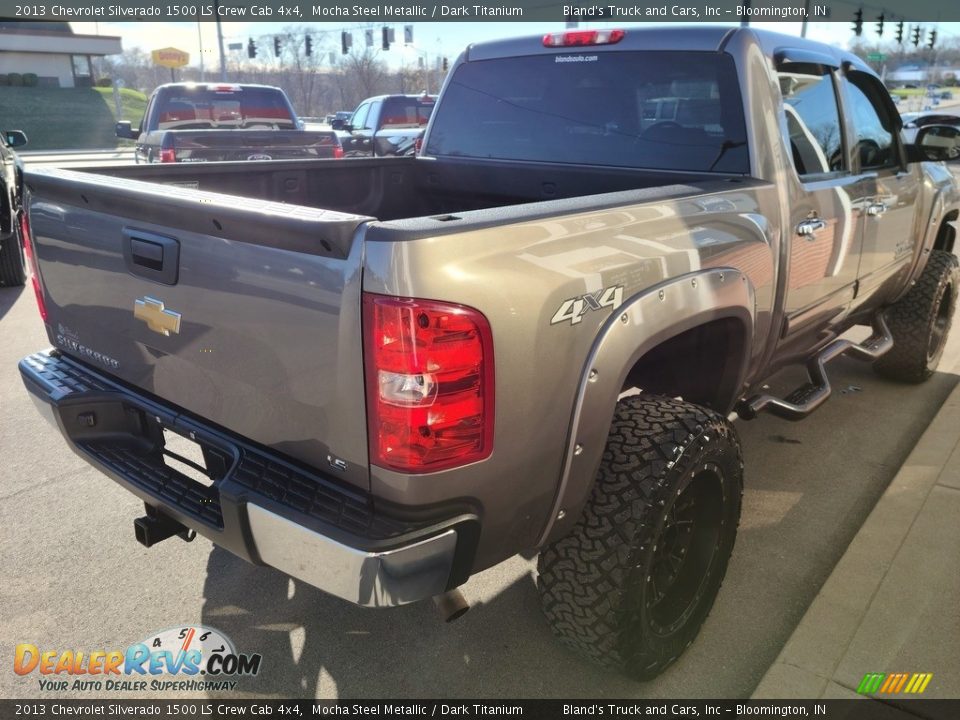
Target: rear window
{"points": [[658, 110], [203, 109], [406, 112]]}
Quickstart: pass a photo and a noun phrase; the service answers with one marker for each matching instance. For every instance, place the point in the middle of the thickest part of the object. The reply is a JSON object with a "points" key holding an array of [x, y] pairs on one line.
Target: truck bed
{"points": [[401, 188]]}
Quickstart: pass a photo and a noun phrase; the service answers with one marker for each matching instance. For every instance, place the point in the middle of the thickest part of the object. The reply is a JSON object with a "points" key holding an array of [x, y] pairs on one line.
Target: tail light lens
{"points": [[338, 151], [429, 371], [31, 258], [418, 145], [168, 155]]}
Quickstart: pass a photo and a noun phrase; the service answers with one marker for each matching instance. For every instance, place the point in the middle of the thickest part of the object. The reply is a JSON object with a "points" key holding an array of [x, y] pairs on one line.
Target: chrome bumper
{"points": [[372, 579]]}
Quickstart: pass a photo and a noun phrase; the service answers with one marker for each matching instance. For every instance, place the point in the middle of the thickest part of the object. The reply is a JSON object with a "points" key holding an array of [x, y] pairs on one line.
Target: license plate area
{"points": [[188, 458]]}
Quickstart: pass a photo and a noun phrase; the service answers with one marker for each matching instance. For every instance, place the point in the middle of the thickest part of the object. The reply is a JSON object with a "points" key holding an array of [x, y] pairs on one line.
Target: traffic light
{"points": [[276, 46], [386, 38], [858, 22], [900, 32], [916, 35], [408, 34], [251, 48], [880, 25], [346, 41], [369, 35], [933, 39], [308, 45], [445, 65]]}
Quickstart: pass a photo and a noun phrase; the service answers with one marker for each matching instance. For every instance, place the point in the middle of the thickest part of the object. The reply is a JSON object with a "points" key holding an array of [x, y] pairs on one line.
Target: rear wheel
{"points": [[632, 583], [920, 321], [13, 272]]}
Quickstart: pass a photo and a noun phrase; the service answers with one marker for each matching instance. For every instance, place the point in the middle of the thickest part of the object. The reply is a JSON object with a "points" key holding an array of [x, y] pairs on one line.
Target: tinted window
{"points": [[202, 109], [874, 128], [407, 111], [665, 110], [360, 116], [813, 122]]}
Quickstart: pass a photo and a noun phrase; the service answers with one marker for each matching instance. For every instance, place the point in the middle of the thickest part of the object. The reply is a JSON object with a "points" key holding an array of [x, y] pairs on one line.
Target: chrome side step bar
{"points": [[808, 397]]}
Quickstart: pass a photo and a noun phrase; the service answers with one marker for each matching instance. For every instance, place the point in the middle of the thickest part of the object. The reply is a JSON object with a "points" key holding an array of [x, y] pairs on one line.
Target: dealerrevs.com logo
{"points": [[172, 660]]}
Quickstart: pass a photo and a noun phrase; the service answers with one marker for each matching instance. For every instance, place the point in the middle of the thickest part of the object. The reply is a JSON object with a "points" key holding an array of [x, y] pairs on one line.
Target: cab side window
{"points": [[360, 116], [370, 121], [874, 129], [147, 114], [813, 122]]}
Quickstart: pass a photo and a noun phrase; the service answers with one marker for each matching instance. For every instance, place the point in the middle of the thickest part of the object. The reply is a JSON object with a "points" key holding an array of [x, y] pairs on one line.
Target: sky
{"points": [[433, 39]]}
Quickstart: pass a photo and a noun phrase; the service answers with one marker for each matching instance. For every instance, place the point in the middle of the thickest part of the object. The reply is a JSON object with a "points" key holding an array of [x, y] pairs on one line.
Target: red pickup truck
{"points": [[190, 122]]}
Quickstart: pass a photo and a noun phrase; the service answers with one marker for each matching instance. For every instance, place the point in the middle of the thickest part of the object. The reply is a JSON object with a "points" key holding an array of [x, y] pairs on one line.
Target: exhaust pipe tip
{"points": [[451, 605]]}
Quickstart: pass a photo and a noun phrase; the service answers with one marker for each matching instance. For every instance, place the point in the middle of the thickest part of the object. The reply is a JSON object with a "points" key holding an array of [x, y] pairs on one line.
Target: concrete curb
{"points": [[890, 603]]}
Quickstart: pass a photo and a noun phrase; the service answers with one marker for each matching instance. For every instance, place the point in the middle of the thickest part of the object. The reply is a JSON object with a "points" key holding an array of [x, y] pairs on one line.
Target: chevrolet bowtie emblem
{"points": [[157, 318]]}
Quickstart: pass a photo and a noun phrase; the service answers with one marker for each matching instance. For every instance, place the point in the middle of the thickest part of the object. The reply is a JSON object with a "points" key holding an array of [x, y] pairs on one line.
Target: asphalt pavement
{"points": [[74, 577]]}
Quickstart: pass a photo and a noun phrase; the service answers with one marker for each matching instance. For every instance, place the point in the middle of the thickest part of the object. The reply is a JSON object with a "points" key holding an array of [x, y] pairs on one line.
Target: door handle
{"points": [[809, 228], [151, 256], [876, 209]]}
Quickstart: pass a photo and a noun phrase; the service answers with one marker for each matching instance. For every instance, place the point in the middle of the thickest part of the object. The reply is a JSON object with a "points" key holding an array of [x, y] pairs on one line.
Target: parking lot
{"points": [[76, 579]]}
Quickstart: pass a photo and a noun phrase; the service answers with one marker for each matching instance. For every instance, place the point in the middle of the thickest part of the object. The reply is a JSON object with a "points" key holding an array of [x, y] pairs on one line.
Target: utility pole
{"points": [[223, 57], [200, 41], [806, 14]]}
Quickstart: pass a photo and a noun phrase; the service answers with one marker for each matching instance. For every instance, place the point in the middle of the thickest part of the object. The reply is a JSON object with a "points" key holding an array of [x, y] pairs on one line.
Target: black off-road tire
{"points": [[920, 321], [13, 271], [630, 586]]}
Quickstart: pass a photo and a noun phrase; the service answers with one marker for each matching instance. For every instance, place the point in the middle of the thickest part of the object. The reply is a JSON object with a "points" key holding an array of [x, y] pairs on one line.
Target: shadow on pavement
{"points": [[809, 487], [314, 645], [8, 296]]}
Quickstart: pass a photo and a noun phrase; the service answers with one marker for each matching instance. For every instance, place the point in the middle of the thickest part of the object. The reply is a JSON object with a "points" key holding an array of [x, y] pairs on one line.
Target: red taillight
{"points": [[338, 151], [574, 38], [418, 145], [30, 256], [168, 155], [429, 371]]}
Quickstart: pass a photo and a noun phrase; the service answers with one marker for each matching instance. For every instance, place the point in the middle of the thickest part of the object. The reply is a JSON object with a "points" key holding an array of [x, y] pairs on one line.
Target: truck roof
{"points": [[204, 85], [709, 38], [418, 96]]}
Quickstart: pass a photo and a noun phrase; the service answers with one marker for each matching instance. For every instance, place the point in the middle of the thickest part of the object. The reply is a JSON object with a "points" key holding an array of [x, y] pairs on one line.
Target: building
{"points": [[920, 75], [53, 52]]}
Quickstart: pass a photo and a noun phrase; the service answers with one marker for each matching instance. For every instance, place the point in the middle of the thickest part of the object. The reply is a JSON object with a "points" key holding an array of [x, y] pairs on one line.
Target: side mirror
{"points": [[124, 130], [15, 138], [937, 143]]}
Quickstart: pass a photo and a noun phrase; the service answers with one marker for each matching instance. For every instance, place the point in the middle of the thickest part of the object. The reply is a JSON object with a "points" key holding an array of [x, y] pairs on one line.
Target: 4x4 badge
{"points": [[574, 309], [157, 318]]}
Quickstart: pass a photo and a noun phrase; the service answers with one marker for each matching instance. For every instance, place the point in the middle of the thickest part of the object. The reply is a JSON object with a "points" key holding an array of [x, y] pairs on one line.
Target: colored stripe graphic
{"points": [[900, 684], [870, 683], [893, 683]]}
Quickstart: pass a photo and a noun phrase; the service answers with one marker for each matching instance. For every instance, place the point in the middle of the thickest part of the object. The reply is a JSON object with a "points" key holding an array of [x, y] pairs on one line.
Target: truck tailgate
{"points": [[238, 145], [245, 313]]}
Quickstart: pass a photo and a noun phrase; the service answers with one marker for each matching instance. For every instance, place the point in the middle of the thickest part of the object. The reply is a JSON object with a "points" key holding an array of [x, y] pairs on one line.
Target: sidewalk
{"points": [[892, 603]]}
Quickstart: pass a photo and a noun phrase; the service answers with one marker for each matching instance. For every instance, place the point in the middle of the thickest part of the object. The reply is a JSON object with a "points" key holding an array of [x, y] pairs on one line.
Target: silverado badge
{"points": [[157, 318]]}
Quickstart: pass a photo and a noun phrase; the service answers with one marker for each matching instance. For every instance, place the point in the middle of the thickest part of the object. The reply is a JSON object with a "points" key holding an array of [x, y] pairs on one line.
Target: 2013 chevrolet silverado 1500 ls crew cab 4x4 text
{"points": [[403, 371]]}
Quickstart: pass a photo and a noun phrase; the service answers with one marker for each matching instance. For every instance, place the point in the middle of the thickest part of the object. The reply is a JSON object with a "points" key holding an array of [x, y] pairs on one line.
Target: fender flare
{"points": [[633, 329]]}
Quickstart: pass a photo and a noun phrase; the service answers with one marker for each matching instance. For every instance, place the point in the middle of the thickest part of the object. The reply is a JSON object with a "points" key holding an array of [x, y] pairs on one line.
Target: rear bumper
{"points": [[260, 506]]}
